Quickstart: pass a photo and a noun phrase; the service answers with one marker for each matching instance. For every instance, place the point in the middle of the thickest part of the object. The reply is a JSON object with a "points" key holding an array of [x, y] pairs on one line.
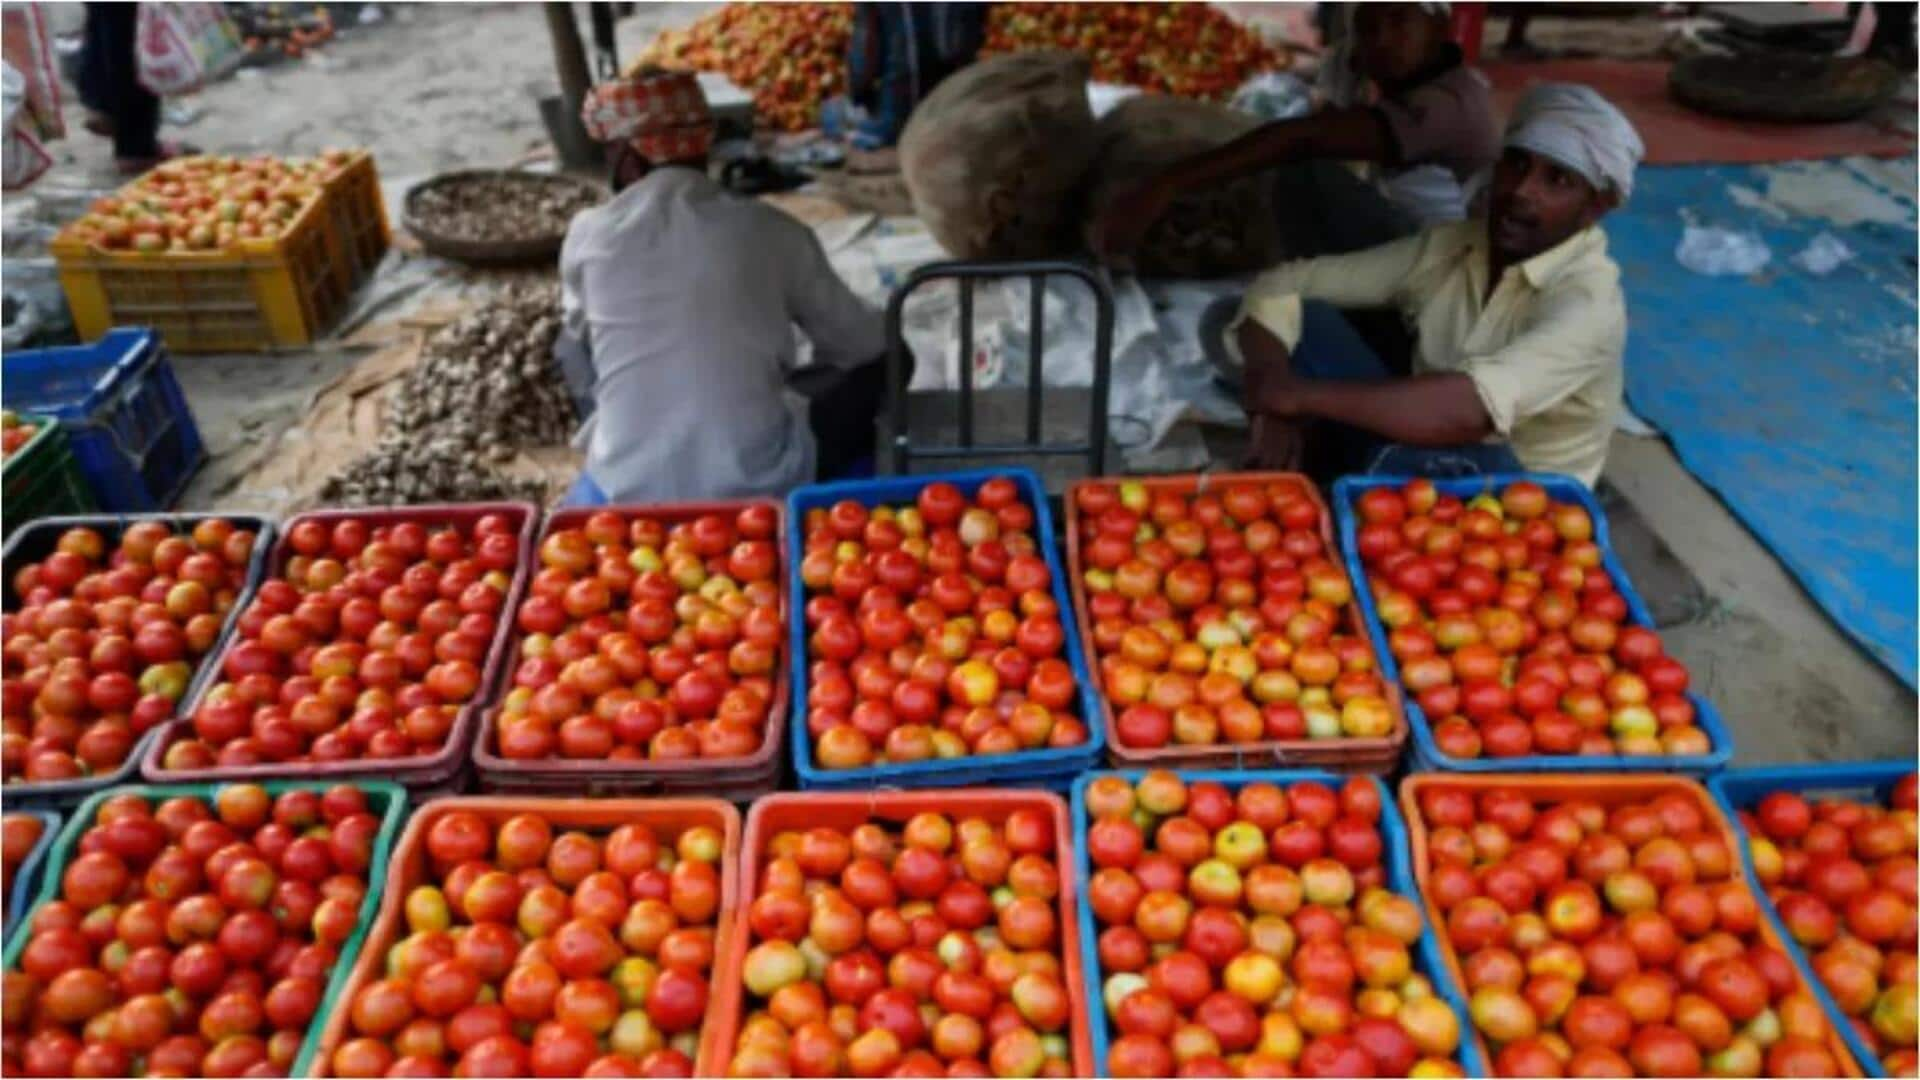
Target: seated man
{"points": [[687, 297], [1400, 97], [1519, 320]]}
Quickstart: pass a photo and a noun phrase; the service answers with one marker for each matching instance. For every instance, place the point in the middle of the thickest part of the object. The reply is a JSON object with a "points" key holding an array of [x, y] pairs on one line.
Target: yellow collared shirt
{"points": [[1544, 351]]}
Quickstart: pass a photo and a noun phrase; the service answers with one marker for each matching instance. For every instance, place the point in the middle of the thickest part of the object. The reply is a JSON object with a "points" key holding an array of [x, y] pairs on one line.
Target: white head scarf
{"points": [[1581, 130]]}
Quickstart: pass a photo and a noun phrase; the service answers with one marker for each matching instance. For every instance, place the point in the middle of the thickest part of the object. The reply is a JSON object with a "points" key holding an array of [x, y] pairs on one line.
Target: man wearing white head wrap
{"points": [[1400, 100], [1575, 126], [1519, 319]]}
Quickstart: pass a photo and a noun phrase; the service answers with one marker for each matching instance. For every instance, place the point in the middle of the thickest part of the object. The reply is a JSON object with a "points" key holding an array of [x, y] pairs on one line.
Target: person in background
{"points": [[1400, 98], [1520, 322], [118, 106], [686, 297], [896, 54]]}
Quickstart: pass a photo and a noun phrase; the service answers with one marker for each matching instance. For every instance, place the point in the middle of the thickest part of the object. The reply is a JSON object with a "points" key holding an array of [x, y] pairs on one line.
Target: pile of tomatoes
{"points": [[18, 834], [366, 644], [648, 641], [932, 949], [1510, 633], [531, 950], [1251, 933], [794, 56], [104, 642], [15, 432], [791, 57], [191, 939], [933, 631], [1842, 876], [206, 203], [1614, 939], [1189, 50], [1221, 618]]}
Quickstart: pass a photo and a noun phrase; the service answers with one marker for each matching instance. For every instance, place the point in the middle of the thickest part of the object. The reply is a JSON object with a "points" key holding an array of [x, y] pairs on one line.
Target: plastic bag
{"points": [[1718, 252], [993, 156], [1823, 255], [22, 158], [183, 47], [1274, 95], [24, 36]]}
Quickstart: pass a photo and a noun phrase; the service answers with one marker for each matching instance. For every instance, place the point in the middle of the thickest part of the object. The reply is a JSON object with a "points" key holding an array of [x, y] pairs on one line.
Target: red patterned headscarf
{"points": [[662, 114]]}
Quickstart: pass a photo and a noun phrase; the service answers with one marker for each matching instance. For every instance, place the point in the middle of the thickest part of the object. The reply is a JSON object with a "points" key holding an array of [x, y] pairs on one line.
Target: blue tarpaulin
{"points": [[1788, 393]]}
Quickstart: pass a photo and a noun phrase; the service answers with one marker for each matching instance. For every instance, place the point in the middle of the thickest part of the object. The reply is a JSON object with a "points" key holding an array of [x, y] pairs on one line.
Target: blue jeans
{"points": [[1330, 348], [584, 492]]}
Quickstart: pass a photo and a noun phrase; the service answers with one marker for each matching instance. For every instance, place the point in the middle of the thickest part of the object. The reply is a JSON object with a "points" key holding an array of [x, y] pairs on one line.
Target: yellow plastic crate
{"points": [[256, 294]]}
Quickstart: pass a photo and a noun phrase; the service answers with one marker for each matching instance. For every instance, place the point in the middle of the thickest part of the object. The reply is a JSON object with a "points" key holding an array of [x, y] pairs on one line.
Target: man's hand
{"points": [[1281, 394], [1277, 445], [1124, 223]]}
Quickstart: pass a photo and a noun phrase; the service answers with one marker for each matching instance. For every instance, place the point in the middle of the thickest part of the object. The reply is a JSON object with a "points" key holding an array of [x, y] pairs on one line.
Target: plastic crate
{"points": [[409, 868], [257, 294], [1052, 768], [42, 479], [1399, 879], [385, 800], [1377, 756], [1606, 790], [36, 541], [25, 879], [1427, 756], [845, 811], [1865, 781], [357, 219], [433, 772], [738, 779], [124, 413]]}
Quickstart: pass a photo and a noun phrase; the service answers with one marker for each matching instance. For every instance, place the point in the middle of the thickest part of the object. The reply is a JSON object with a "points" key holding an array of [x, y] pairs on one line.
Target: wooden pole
{"points": [[570, 63]]}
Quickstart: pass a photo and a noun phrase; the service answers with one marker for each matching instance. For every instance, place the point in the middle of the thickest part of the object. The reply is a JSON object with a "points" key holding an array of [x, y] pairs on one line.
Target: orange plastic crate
{"points": [[807, 810], [669, 817]]}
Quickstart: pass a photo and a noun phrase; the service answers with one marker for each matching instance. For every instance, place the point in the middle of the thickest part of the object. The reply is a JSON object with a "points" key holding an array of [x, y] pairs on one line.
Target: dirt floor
{"points": [[432, 87]]}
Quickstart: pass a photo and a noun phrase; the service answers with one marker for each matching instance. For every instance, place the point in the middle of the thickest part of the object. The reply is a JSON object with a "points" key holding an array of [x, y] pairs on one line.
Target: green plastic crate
{"points": [[384, 798], [43, 479]]}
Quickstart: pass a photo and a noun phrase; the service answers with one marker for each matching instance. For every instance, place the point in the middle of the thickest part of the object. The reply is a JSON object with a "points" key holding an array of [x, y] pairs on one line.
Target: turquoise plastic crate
{"points": [[386, 800]]}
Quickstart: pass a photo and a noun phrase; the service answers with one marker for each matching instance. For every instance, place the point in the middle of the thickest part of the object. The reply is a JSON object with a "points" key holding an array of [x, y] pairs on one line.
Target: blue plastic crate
{"points": [[1050, 768], [1399, 865], [1427, 756], [126, 418], [21, 891], [1741, 789]]}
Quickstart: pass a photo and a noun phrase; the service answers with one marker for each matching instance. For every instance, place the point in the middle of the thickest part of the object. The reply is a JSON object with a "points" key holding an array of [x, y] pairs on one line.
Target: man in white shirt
{"points": [[687, 297]]}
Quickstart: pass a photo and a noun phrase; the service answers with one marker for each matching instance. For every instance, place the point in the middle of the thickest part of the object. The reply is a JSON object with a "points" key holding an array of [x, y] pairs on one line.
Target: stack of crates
{"points": [[42, 479], [256, 294], [122, 413]]}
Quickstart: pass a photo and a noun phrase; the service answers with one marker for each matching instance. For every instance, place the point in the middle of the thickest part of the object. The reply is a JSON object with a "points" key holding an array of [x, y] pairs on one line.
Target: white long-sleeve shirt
{"points": [[687, 296]]}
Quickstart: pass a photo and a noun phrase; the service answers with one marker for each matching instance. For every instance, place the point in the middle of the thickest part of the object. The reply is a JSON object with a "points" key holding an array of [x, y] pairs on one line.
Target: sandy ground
{"points": [[441, 86]]}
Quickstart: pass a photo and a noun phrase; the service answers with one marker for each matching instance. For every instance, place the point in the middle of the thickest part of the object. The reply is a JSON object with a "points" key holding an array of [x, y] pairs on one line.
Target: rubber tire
{"points": [[1785, 88]]}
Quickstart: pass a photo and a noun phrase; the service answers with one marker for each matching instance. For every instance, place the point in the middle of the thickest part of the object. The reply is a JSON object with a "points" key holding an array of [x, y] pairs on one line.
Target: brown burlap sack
{"points": [[1213, 232], [995, 155]]}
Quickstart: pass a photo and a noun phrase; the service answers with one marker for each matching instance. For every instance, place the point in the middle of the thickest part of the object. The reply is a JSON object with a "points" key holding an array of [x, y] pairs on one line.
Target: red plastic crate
{"points": [[429, 772], [739, 779]]}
